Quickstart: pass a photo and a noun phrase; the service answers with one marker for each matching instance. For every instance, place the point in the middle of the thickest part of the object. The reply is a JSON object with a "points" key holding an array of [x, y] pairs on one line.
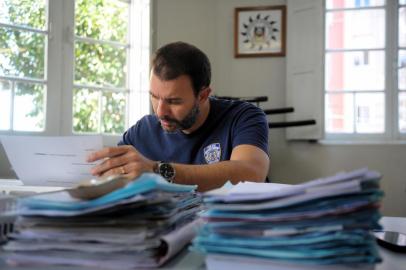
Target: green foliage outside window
{"points": [[96, 64], [22, 52], [100, 64]]}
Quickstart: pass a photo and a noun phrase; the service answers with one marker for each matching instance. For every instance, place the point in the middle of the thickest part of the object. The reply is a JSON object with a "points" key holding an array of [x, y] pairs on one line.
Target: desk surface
{"points": [[392, 260], [195, 261]]}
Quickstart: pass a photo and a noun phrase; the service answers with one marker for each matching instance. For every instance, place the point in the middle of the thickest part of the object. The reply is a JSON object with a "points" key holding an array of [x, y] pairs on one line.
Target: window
{"points": [[365, 69], [73, 67], [402, 66], [100, 66], [23, 43]]}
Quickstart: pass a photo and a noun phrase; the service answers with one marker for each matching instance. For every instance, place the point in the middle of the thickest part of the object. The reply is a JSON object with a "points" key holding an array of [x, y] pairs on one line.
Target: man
{"points": [[192, 138]]}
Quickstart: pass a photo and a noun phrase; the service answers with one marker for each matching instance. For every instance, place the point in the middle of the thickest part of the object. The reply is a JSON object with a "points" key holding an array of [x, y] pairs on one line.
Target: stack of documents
{"points": [[308, 226], [140, 225]]}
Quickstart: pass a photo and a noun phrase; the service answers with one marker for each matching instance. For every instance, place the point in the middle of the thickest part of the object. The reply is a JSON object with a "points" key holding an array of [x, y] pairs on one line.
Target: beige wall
{"points": [[209, 25]]}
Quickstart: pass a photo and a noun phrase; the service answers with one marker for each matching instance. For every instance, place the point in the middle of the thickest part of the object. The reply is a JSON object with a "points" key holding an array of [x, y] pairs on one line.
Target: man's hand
{"points": [[122, 160]]}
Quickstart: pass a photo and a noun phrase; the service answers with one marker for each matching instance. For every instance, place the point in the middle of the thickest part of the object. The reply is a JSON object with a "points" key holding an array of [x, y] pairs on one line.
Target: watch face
{"points": [[167, 171]]}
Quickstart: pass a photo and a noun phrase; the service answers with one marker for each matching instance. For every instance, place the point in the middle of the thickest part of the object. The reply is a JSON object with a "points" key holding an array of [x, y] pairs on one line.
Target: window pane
{"points": [[5, 98], [402, 70], [330, 4], [102, 19], [100, 64], [114, 111], [339, 113], [23, 12], [22, 53], [370, 108], [402, 112], [357, 29], [402, 2], [355, 70], [402, 27], [86, 114], [29, 107]]}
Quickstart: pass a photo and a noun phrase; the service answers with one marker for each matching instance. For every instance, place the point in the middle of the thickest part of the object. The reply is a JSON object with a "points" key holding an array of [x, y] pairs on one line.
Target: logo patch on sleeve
{"points": [[212, 153]]}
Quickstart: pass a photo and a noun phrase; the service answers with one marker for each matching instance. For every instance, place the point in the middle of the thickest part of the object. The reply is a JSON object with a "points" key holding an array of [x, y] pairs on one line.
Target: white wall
{"points": [[209, 25]]}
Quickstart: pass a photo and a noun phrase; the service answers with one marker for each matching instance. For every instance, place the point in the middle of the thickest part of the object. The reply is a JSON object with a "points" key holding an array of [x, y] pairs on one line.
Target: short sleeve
{"points": [[129, 135], [251, 127]]}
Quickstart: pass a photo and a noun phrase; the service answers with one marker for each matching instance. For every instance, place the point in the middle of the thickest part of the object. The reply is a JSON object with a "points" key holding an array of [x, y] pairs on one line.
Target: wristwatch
{"points": [[166, 170]]}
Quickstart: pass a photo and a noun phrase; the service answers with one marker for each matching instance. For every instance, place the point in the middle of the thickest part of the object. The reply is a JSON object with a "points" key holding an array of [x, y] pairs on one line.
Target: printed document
{"points": [[51, 161]]}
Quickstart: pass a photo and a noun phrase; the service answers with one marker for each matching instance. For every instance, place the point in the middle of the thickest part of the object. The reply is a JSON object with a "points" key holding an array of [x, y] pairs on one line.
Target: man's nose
{"points": [[162, 108]]}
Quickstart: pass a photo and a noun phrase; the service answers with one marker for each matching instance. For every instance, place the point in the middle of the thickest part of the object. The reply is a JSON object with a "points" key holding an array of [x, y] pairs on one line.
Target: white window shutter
{"points": [[304, 68]]}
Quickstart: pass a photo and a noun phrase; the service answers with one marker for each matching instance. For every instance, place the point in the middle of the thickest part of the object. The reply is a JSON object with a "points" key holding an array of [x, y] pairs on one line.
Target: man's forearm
{"points": [[215, 175]]}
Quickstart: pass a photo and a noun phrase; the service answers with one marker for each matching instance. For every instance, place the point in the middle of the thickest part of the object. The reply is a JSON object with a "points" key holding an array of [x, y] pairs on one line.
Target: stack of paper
{"points": [[140, 225], [322, 222]]}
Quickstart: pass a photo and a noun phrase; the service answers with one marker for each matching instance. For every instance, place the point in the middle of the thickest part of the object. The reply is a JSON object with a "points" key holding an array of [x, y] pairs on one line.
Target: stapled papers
{"points": [[140, 225], [326, 221]]}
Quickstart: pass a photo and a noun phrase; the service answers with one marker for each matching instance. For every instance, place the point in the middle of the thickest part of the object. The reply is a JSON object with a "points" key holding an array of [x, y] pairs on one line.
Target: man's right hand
{"points": [[122, 160]]}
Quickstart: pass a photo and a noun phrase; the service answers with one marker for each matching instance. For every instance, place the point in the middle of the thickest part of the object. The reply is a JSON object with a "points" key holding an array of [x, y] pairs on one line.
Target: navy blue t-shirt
{"points": [[229, 124]]}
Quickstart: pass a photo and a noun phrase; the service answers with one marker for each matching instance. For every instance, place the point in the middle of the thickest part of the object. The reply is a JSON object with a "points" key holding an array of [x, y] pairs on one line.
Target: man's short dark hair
{"points": [[180, 58]]}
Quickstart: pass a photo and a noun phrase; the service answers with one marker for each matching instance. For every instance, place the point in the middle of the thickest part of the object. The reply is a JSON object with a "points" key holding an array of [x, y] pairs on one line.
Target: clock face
{"points": [[167, 171]]}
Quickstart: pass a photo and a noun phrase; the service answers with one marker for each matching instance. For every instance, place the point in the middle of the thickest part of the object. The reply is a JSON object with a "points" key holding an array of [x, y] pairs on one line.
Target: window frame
{"points": [[59, 69], [44, 81], [391, 91], [395, 79]]}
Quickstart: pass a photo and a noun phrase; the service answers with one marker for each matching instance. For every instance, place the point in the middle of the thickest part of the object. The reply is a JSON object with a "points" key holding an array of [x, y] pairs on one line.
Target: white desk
{"points": [[16, 187], [392, 260]]}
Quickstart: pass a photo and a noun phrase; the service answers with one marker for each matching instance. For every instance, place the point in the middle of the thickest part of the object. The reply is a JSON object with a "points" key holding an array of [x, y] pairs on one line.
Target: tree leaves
{"points": [[23, 54]]}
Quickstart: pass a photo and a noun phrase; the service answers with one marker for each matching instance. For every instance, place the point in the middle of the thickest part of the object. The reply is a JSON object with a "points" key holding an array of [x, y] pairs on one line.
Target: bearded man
{"points": [[192, 138]]}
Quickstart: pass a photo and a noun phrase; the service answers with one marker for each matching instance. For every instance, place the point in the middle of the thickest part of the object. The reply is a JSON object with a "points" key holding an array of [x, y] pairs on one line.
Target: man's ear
{"points": [[204, 94]]}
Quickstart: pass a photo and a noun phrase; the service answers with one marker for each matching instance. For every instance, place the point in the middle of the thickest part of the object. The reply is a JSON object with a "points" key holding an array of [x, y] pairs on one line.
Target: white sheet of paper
{"points": [[51, 161], [253, 191], [256, 188]]}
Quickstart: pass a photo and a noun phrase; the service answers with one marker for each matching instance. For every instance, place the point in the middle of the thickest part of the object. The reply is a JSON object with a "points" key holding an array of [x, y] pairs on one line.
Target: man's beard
{"points": [[187, 122]]}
